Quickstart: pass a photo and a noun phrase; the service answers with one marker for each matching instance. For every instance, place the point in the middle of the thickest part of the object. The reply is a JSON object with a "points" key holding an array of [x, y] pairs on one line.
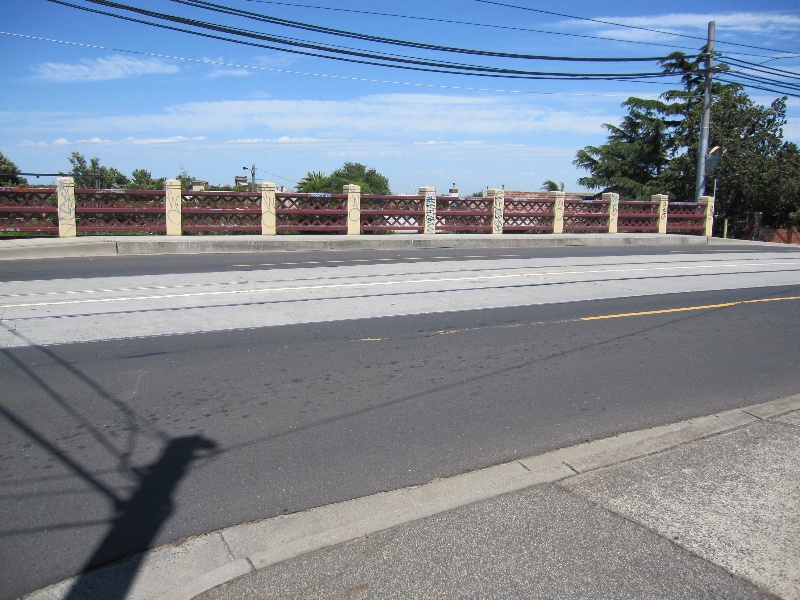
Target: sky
{"points": [[138, 96]]}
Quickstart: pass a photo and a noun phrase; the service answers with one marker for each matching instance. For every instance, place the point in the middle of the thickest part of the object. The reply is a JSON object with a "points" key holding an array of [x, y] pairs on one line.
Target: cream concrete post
{"points": [[174, 200], [663, 208], [558, 209], [430, 208], [613, 211], [709, 215], [269, 219], [353, 209], [66, 207], [498, 209]]}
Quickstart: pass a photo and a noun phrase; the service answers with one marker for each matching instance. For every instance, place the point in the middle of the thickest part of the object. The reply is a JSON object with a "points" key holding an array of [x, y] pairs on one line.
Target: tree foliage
{"points": [[93, 174], [8, 172], [369, 179], [654, 149], [141, 179], [551, 186]]}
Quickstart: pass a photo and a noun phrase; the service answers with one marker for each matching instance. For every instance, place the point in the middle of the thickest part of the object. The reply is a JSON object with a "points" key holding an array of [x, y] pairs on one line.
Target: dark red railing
{"points": [[33, 211], [311, 212], [686, 217], [637, 216], [392, 213], [26, 210], [120, 211]]}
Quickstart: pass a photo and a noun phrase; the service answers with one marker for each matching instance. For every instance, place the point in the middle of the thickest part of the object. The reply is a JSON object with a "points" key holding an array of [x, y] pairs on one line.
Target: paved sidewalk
{"points": [[28, 248], [704, 508]]}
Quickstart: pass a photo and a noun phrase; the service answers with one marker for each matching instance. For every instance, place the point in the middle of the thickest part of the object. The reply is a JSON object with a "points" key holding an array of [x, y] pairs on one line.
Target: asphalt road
{"points": [[275, 387]]}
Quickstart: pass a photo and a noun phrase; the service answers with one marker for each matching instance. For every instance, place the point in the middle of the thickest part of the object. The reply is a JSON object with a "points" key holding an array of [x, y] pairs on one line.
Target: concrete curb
{"points": [[16, 249], [185, 570]]}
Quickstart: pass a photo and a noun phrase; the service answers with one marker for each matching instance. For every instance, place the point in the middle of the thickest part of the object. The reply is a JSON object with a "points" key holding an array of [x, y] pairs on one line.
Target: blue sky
{"points": [[142, 97]]}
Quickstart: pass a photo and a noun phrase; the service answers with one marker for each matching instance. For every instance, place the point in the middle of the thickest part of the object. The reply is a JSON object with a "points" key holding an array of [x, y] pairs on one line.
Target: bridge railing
{"points": [[66, 211]]}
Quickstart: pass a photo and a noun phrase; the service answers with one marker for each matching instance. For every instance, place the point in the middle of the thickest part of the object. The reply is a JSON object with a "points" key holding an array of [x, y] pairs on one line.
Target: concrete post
{"points": [[66, 207], [498, 209], [709, 215], [353, 209], [663, 208], [174, 200], [613, 211], [269, 218], [430, 209], [558, 209]]}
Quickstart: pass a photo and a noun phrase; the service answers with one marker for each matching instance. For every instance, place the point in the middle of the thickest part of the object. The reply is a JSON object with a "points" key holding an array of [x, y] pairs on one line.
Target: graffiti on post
{"points": [[430, 213], [66, 207]]}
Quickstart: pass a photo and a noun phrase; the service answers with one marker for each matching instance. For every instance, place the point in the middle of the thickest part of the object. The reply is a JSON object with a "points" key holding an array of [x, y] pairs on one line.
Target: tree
{"points": [[654, 149], [92, 174], [310, 181], [8, 172], [370, 180], [141, 179], [551, 186], [633, 160], [185, 179]]}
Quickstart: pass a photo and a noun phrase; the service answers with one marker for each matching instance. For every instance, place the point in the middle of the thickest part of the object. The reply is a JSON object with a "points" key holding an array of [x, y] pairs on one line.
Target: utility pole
{"points": [[702, 150], [253, 178]]}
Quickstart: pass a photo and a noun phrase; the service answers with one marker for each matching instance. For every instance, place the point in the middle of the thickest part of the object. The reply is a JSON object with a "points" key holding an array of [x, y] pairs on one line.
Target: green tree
{"points": [[141, 179], [312, 180], [633, 161], [654, 149], [8, 172], [185, 179], [551, 186], [93, 174], [369, 179]]}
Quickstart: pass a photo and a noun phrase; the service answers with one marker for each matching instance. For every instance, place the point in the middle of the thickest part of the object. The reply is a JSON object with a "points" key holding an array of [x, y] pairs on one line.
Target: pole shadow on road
{"points": [[137, 520]]}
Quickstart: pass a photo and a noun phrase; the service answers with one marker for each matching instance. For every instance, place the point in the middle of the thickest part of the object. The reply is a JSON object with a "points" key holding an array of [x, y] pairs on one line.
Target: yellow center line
{"points": [[687, 308]]}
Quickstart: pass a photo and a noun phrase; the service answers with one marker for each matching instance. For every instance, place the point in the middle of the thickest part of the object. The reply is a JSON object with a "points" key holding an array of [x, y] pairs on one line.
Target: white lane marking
{"points": [[475, 278]]}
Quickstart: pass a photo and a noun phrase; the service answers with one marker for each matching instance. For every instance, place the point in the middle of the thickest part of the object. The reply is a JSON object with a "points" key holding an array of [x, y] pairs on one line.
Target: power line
{"points": [[324, 75], [672, 33], [310, 49], [469, 23]]}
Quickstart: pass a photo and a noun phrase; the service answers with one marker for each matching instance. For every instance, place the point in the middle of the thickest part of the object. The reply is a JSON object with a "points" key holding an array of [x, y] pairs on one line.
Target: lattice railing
{"points": [[120, 211], [392, 213], [311, 212], [686, 216], [35, 211], [221, 212], [521, 215], [586, 215], [464, 214], [637, 216], [28, 210]]}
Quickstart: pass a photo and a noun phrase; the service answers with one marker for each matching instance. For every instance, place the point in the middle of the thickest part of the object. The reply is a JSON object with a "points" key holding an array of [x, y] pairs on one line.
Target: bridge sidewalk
{"points": [[24, 248]]}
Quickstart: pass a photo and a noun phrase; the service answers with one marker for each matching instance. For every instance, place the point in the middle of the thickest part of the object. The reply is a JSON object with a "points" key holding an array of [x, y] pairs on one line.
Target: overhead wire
{"points": [[469, 23], [659, 31], [360, 57], [766, 75], [323, 75]]}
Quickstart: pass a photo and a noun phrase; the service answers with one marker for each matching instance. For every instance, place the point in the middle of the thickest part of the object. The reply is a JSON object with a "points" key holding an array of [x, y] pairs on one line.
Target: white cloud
{"points": [[164, 140], [765, 24], [229, 72], [376, 116], [102, 69], [61, 142], [94, 140]]}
